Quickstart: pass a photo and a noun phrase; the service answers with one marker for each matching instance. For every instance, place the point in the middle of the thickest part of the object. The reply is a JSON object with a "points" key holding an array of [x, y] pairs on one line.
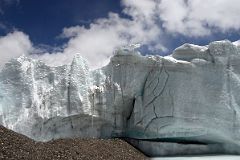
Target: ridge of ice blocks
{"points": [[185, 103]]}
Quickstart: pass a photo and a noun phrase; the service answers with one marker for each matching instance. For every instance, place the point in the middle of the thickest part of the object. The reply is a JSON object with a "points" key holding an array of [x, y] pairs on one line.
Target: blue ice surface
{"points": [[215, 157]]}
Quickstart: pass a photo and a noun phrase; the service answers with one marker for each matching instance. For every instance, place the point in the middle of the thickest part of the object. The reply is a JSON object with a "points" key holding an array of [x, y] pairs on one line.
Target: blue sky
{"points": [[55, 30], [43, 20]]}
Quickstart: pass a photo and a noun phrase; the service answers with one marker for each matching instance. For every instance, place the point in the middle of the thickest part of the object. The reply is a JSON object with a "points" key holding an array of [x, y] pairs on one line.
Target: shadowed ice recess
{"points": [[184, 104]]}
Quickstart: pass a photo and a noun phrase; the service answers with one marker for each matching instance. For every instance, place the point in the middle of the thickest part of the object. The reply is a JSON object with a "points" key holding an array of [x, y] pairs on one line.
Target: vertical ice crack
{"points": [[154, 110], [93, 97], [172, 101], [71, 121], [121, 84], [163, 68], [148, 75], [156, 117], [228, 69], [212, 57], [131, 112], [68, 96], [156, 96], [229, 90], [164, 86]]}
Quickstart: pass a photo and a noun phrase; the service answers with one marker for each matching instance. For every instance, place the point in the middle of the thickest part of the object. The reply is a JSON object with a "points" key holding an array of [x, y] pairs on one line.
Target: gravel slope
{"points": [[16, 146]]}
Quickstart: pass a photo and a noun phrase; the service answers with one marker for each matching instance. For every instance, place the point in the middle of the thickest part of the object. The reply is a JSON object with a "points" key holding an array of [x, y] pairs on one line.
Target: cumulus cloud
{"points": [[148, 22], [13, 45], [98, 42], [199, 18], [188, 17]]}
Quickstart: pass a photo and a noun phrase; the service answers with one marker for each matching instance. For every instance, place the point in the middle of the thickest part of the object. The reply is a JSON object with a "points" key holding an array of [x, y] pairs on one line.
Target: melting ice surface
{"points": [[221, 157], [183, 104]]}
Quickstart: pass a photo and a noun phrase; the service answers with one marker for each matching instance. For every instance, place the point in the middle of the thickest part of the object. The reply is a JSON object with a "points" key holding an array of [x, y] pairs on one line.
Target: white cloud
{"points": [[140, 8], [14, 45], [98, 42], [199, 18], [150, 21]]}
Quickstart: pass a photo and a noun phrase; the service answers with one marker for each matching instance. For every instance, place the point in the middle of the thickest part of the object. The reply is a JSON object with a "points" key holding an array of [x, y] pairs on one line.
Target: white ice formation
{"points": [[185, 103]]}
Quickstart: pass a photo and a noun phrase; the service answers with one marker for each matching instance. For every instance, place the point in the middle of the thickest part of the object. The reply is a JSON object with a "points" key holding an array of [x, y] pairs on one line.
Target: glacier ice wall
{"points": [[185, 103]]}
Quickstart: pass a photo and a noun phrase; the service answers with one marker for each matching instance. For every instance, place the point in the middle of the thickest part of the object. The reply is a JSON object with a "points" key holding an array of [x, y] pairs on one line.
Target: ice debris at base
{"points": [[185, 103]]}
